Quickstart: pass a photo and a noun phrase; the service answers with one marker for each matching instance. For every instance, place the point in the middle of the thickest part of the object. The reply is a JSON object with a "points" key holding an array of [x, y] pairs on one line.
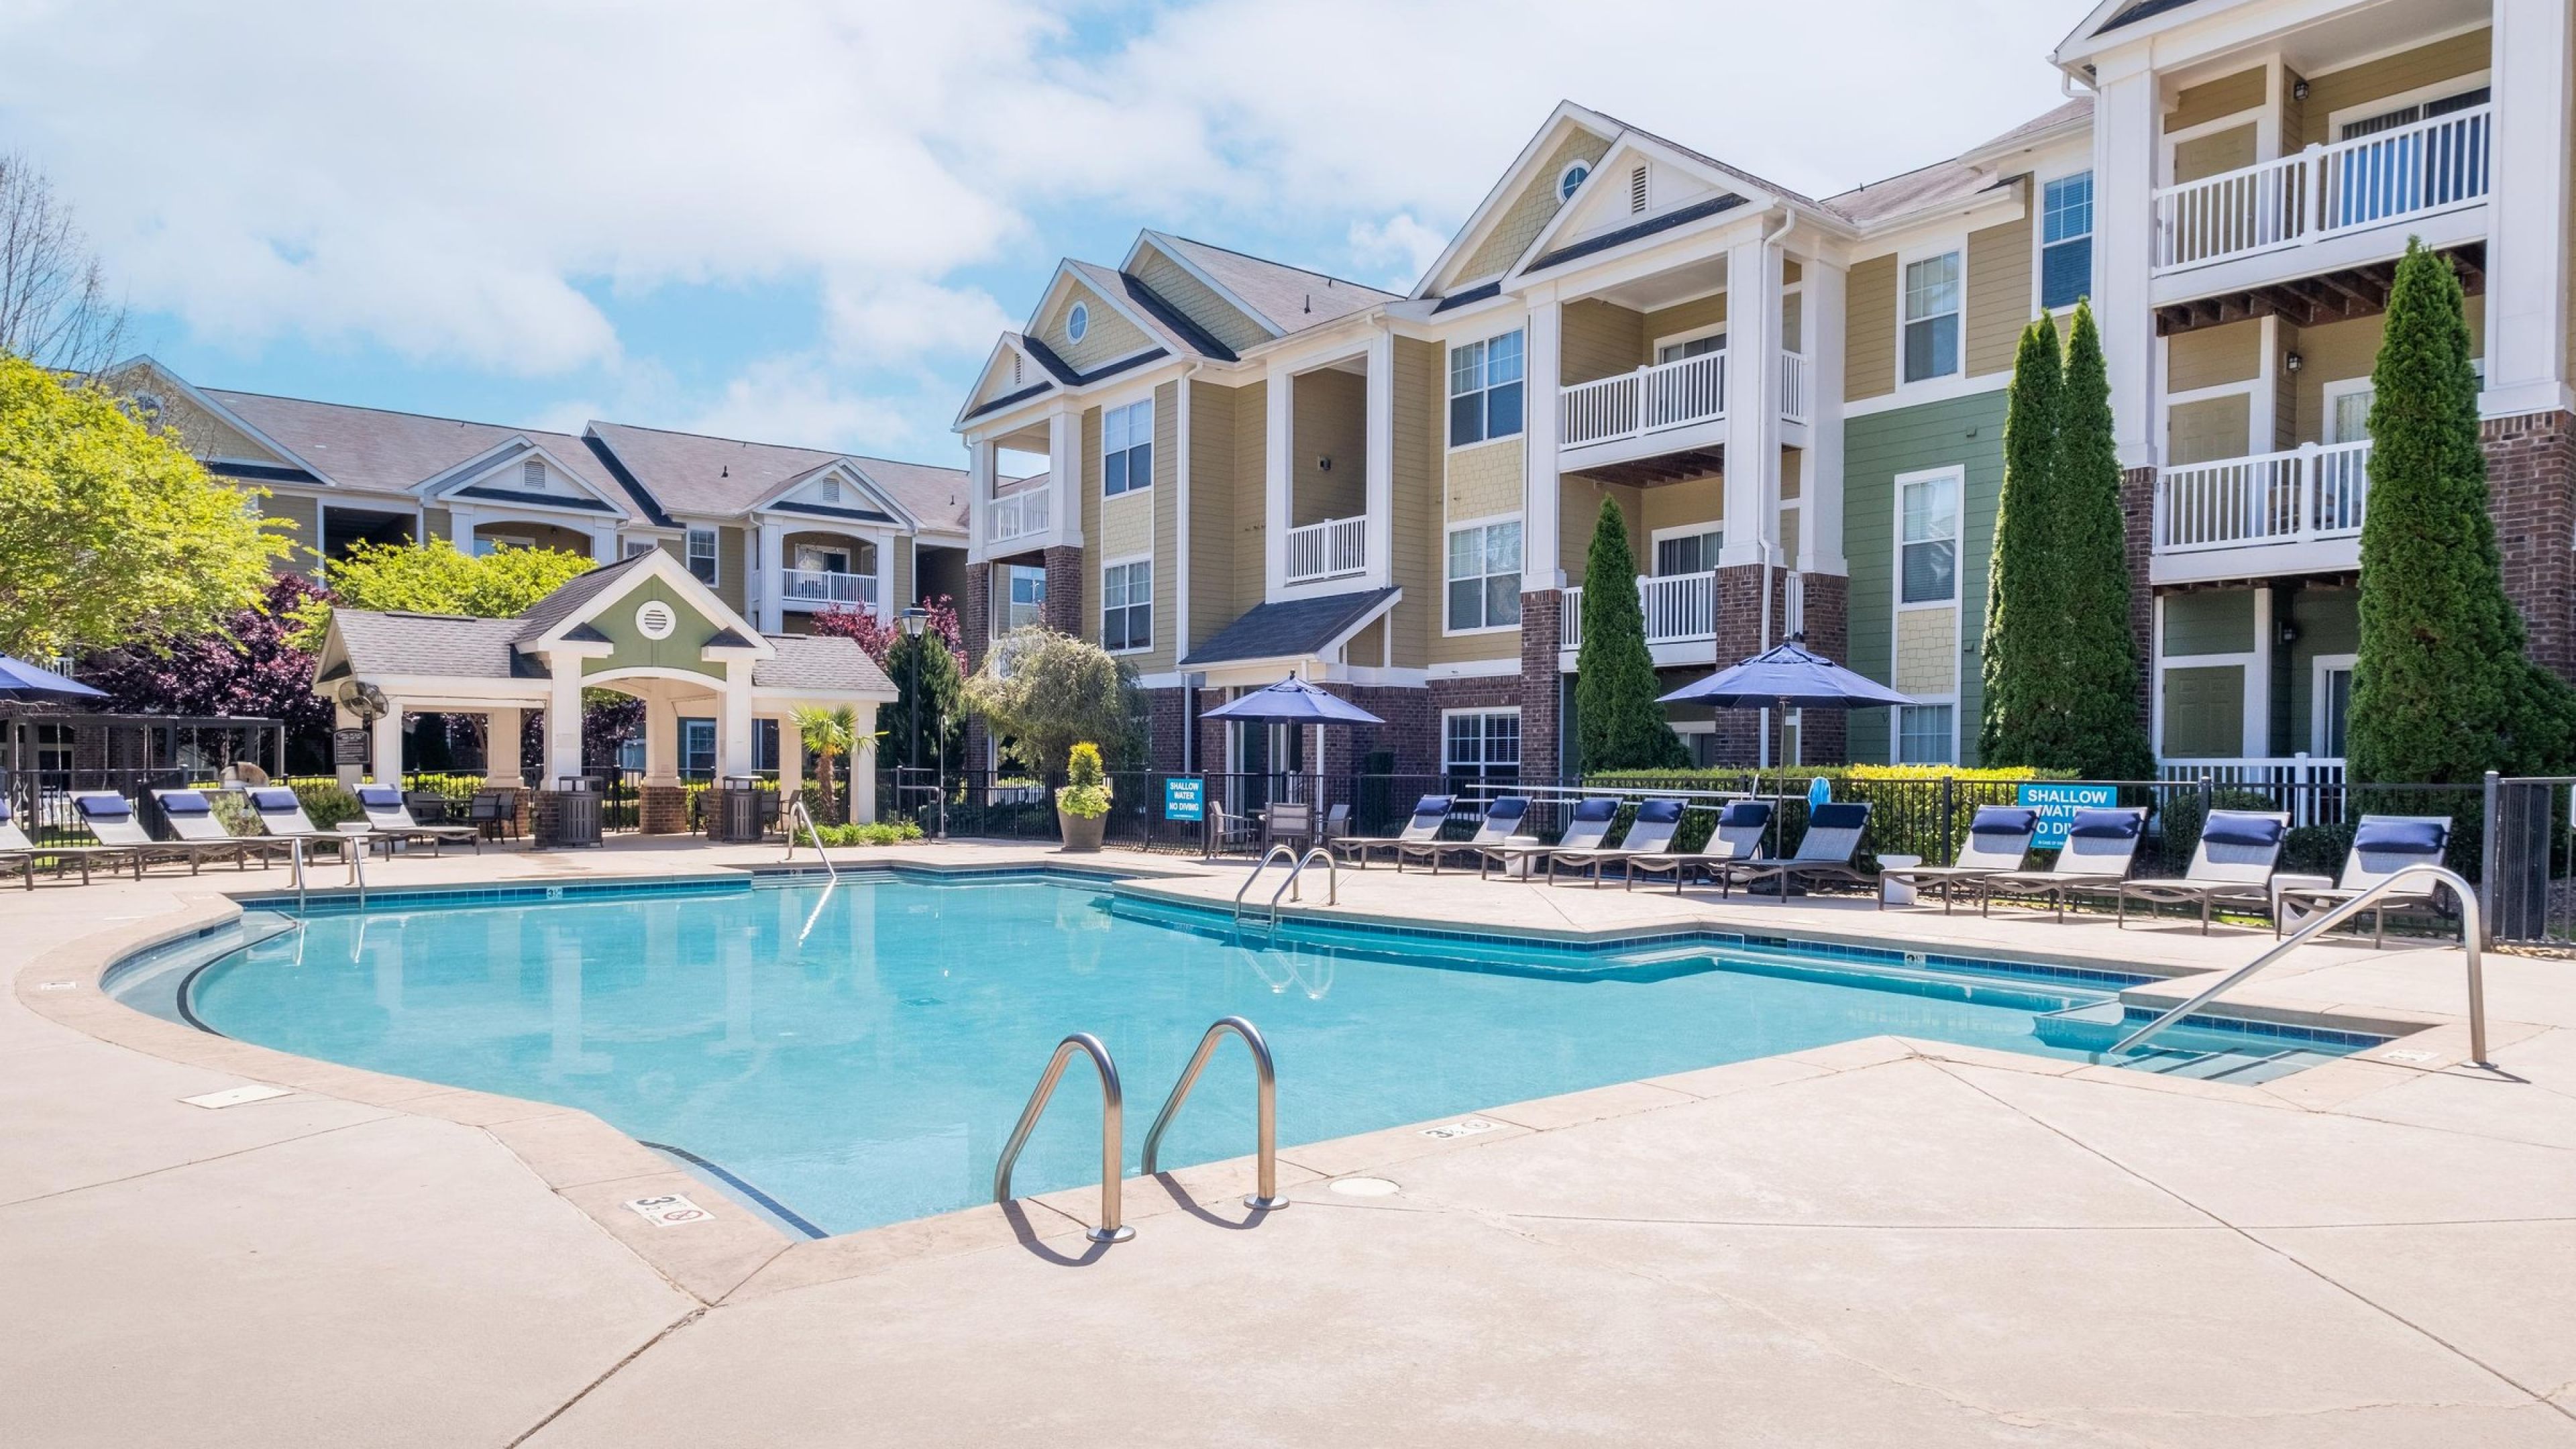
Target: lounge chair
{"points": [[2382, 845], [1825, 852], [282, 815], [1741, 824], [1588, 828], [494, 812], [1503, 817], [192, 819], [17, 850], [111, 818], [1998, 840], [1429, 814], [392, 818], [2232, 865], [1650, 833], [2100, 847]]}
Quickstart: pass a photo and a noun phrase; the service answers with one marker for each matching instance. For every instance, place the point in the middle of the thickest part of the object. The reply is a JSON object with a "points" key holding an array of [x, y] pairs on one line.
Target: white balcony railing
{"points": [[2324, 191], [1665, 395], [1680, 609], [2301, 496], [816, 588], [1018, 515], [1327, 550], [1796, 386], [2308, 786]]}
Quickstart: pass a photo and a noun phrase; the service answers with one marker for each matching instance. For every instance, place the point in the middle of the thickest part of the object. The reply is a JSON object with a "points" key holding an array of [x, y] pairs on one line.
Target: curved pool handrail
{"points": [[1112, 1132], [1265, 1078]]}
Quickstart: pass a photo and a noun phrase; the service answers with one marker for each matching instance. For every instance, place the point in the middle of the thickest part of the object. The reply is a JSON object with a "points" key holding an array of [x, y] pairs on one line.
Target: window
{"points": [[486, 544], [1932, 317], [1023, 597], [1691, 347], [1923, 734], [1127, 606], [1485, 389], [1485, 576], [697, 748], [2066, 240], [1689, 553], [702, 555], [635, 546], [2348, 410], [1481, 745], [1928, 566], [1571, 180], [1127, 448], [1078, 321]]}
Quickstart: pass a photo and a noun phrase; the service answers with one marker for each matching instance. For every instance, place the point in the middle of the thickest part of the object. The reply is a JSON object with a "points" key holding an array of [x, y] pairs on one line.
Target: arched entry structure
{"points": [[643, 626]]}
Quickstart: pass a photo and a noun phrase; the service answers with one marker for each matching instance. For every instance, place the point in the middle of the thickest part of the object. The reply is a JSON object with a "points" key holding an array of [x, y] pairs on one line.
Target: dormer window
{"points": [[532, 476], [1571, 180], [1078, 321]]}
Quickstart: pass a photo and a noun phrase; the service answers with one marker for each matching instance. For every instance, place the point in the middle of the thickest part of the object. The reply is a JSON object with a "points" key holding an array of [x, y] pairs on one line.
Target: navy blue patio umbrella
{"points": [[1292, 701], [24, 683], [1786, 677]]}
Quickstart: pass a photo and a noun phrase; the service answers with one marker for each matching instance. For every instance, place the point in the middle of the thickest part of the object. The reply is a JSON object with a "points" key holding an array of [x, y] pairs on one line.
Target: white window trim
{"points": [[1152, 424], [2329, 393], [1077, 321], [715, 555], [2336, 120], [1693, 335], [2039, 184], [1563, 194], [1686, 530], [1956, 242], [1100, 583], [1483, 712], [1528, 398], [1957, 473], [1456, 525], [2318, 668], [1896, 725]]}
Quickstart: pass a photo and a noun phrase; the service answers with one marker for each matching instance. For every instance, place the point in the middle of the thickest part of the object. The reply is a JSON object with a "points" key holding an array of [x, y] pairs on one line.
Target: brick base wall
{"points": [[662, 810], [1063, 610], [975, 623], [1167, 721], [2531, 493], [1496, 692], [1542, 691], [1824, 734]]}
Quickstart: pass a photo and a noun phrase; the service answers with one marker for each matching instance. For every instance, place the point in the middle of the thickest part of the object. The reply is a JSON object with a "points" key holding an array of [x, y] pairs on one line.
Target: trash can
{"points": [[569, 816], [738, 816]]}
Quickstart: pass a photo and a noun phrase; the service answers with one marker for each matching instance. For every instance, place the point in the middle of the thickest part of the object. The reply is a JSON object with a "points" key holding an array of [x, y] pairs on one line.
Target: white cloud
{"points": [[794, 400], [881, 318], [1400, 241]]}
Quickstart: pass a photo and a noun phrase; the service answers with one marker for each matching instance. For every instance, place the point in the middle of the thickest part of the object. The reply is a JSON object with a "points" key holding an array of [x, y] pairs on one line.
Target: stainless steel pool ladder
{"points": [[2472, 938], [1113, 1145], [796, 811], [1265, 1080], [1289, 887]]}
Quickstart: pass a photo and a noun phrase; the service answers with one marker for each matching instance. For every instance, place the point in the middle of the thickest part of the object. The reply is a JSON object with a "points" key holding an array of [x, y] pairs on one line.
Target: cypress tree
{"points": [[2094, 690], [1618, 721], [2441, 689], [2022, 616]]}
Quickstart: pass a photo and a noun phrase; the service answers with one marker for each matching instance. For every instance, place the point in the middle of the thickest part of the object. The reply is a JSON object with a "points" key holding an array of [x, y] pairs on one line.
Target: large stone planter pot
{"points": [[1081, 832]]}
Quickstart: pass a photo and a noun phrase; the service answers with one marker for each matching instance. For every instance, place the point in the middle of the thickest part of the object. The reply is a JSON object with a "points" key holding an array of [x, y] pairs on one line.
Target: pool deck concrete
{"points": [[1880, 1242]]}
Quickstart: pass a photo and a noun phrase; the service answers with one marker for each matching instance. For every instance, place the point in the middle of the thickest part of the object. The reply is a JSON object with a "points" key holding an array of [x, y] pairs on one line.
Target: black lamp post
{"points": [[915, 619]]}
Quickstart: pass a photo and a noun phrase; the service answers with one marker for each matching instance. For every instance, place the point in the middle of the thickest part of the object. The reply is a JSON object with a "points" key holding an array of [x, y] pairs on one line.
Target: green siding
{"points": [[634, 651], [2205, 712], [2214, 621], [1967, 432], [2329, 622]]}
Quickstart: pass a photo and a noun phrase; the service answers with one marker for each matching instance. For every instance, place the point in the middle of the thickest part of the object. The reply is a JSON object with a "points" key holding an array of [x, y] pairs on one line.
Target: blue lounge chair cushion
{"points": [[5, 816], [1744, 813], [2227, 827], [185, 802], [1510, 807], [102, 807], [2106, 824], [1599, 807], [1432, 805], [2003, 820], [379, 797], [1659, 812], [1843, 816], [2401, 837], [274, 798]]}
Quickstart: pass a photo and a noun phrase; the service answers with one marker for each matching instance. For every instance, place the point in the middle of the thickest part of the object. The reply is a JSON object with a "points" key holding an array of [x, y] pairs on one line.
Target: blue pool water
{"points": [[859, 1055]]}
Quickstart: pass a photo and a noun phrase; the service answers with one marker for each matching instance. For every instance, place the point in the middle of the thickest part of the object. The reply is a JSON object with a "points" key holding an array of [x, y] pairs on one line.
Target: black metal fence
{"points": [[40, 801]]}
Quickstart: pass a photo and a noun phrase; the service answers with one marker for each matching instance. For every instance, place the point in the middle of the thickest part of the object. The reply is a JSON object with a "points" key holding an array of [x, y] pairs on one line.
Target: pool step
{"points": [[2096, 1027]]}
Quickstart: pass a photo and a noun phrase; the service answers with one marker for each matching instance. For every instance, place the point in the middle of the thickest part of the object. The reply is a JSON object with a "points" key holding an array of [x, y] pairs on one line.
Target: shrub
{"points": [[1906, 801], [888, 832], [326, 804], [1086, 790]]}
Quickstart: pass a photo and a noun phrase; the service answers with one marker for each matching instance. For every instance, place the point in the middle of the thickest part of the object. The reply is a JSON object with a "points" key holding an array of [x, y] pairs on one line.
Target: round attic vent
{"points": [[655, 620]]}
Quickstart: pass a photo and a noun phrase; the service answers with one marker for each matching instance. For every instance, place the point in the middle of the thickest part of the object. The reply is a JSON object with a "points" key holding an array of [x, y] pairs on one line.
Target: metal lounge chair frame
{"points": [[1826, 851], [1650, 834], [2367, 865], [393, 818], [1589, 827], [1999, 839], [2233, 868], [111, 818], [192, 818], [1429, 814], [1503, 815], [2097, 856], [1728, 844]]}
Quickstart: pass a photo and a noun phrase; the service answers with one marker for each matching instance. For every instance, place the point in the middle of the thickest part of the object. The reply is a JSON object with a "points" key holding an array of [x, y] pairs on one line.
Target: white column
{"points": [[1379, 530], [1279, 401], [388, 745], [766, 563], [1064, 477], [661, 739], [733, 720], [2254, 732], [344, 718], [501, 748], [460, 528], [603, 543], [2527, 281], [1752, 401], [1541, 551], [563, 720], [863, 770], [1178, 610], [791, 757], [2126, 118], [1820, 532], [983, 472]]}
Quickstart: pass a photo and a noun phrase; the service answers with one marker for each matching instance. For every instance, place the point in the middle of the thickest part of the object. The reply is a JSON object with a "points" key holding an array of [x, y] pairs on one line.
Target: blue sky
{"points": [[803, 220]]}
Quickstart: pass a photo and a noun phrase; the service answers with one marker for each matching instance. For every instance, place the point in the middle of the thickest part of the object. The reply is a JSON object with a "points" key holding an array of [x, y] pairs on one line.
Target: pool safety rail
{"points": [[796, 814], [2472, 938], [1113, 1145], [1265, 1077], [1289, 887]]}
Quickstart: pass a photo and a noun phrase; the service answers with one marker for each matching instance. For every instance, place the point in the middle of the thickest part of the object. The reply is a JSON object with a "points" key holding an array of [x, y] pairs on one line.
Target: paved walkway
{"points": [[1881, 1242]]}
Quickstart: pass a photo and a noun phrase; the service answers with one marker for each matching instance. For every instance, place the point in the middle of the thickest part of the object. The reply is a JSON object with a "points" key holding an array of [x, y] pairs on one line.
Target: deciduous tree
{"points": [[1049, 690]]}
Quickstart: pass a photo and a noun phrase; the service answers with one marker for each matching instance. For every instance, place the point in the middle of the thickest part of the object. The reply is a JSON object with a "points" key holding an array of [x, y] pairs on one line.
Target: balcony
{"points": [[2322, 201], [1015, 516], [1331, 549], [2274, 513], [1681, 620], [810, 589], [1652, 399]]}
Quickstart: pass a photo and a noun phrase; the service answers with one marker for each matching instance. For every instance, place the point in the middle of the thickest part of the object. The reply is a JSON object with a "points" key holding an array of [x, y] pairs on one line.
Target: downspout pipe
{"points": [[1766, 528]]}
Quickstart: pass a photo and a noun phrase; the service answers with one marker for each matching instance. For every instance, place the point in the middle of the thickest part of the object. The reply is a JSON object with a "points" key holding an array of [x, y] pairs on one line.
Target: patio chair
{"points": [[1429, 814], [1337, 820], [2382, 845], [2232, 865], [494, 812], [282, 815], [391, 817], [2100, 847], [1287, 820], [1504, 817], [1825, 852], [111, 818], [1588, 828], [1650, 833], [17, 850], [192, 818], [1741, 824], [1998, 839]]}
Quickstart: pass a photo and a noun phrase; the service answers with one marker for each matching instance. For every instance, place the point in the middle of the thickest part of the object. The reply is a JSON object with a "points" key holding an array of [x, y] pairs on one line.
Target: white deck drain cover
{"points": [[58, 986], [1364, 1187], [672, 1211], [2407, 1055], [235, 1096], [1464, 1127]]}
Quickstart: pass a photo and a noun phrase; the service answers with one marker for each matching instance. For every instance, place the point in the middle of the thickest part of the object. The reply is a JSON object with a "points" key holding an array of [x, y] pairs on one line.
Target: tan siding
{"points": [[2336, 351], [1166, 503], [1212, 498], [1421, 391], [440, 522], [1111, 335], [677, 548], [1690, 316], [1680, 505], [1251, 497], [2209, 356], [732, 565], [202, 433], [1528, 214], [1998, 295], [2391, 75], [1926, 652], [2210, 429], [306, 533], [1330, 419], [1869, 329], [898, 572], [1198, 302], [999, 380], [1090, 507], [2212, 100], [1486, 480], [1579, 513], [1598, 339], [1126, 526], [2216, 152]]}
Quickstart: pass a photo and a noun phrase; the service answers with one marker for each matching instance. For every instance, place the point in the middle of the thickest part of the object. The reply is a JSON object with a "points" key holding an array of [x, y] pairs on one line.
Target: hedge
{"points": [[1906, 801]]}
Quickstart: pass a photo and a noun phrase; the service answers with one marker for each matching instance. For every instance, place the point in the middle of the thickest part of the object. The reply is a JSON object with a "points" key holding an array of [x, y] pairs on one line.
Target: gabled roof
{"points": [[366, 642], [216, 408], [821, 661], [390, 452], [1160, 320], [475, 477], [1293, 629], [1289, 299], [576, 592], [1946, 182], [692, 473]]}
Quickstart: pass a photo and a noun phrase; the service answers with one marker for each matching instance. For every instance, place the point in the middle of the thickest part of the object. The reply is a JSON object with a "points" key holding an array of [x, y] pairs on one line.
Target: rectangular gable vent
{"points": [[532, 476], [1637, 189]]}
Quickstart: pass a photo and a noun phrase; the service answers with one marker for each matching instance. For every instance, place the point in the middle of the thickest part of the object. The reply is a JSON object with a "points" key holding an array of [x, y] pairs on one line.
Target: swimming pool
{"points": [[859, 1053]]}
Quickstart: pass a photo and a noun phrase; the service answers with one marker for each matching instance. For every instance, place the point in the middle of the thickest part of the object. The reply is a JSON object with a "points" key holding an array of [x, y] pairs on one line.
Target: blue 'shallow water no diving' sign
{"points": [[1185, 798], [2057, 804]]}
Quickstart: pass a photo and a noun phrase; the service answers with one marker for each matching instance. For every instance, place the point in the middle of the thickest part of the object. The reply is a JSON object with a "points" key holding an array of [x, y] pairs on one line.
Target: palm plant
{"points": [[830, 733]]}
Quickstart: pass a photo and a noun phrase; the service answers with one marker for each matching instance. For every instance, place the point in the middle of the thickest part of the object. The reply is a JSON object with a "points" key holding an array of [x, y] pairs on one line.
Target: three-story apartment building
{"points": [[1798, 404]]}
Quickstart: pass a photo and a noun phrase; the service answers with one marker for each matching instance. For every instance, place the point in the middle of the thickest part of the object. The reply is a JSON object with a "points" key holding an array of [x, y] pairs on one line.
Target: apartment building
{"points": [[1798, 404]]}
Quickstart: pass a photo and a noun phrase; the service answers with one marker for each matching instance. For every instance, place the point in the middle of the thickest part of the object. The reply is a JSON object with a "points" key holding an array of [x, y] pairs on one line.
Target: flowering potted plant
{"points": [[1082, 806]]}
